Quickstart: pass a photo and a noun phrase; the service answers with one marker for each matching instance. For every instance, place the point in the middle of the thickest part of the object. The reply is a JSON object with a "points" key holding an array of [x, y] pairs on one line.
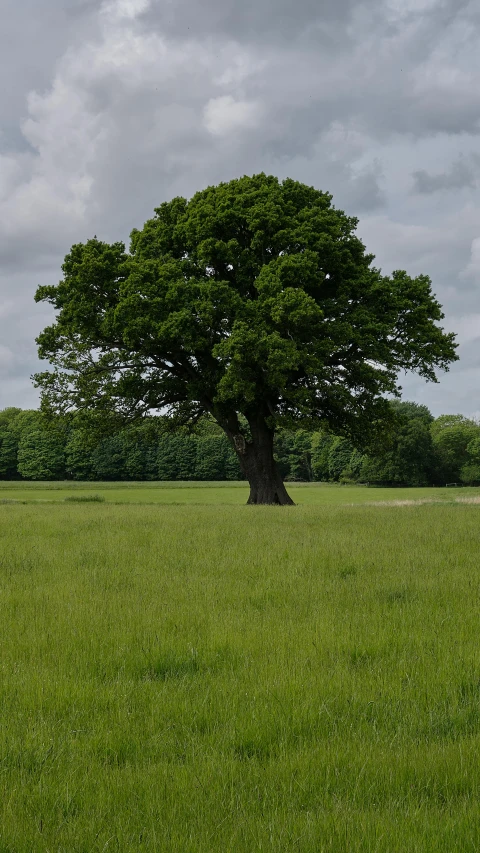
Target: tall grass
{"points": [[205, 678]]}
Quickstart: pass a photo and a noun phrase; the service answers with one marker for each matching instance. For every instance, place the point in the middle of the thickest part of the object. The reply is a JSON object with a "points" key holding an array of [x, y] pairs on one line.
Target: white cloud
{"points": [[125, 9], [225, 115]]}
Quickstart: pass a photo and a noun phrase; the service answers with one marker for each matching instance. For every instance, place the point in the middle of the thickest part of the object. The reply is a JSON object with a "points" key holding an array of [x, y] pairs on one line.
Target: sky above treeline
{"points": [[108, 109]]}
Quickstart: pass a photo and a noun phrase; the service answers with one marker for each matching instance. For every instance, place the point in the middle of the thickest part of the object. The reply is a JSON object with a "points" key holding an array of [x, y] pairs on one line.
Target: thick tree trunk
{"points": [[259, 466]]}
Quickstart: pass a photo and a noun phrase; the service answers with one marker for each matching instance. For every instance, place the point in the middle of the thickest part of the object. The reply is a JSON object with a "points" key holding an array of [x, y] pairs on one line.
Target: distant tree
{"points": [[176, 457], [301, 459], [206, 426], [108, 459], [41, 455], [339, 456], [351, 473], [407, 456], [452, 435], [210, 458], [232, 464], [321, 444], [470, 470], [27, 420], [78, 455], [293, 454], [8, 444], [7, 416], [8, 454], [140, 443], [282, 451], [254, 302]]}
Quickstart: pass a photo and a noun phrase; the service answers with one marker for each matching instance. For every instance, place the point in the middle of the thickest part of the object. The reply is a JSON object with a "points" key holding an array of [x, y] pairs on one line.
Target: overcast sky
{"points": [[108, 109]]}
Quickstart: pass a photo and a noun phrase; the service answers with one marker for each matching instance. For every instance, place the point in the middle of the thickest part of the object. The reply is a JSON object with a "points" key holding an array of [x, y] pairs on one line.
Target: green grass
{"points": [[231, 678], [226, 493]]}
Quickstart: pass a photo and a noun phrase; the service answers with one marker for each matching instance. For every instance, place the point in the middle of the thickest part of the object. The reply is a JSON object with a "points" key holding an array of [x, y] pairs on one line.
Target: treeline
{"points": [[32, 449], [419, 450]]}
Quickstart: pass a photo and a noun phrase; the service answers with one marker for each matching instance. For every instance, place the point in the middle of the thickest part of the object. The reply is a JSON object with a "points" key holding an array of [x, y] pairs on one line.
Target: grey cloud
{"points": [[130, 112], [250, 20], [462, 173], [456, 391], [389, 65], [32, 38], [21, 320], [362, 193], [18, 392]]}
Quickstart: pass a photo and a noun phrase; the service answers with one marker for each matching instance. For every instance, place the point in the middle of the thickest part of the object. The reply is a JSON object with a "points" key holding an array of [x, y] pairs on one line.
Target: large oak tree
{"points": [[254, 301]]}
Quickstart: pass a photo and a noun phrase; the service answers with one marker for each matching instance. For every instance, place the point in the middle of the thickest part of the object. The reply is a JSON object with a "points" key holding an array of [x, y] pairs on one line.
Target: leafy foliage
{"points": [[149, 451], [255, 294], [255, 302], [454, 441], [8, 454], [78, 455], [407, 456], [41, 456]]}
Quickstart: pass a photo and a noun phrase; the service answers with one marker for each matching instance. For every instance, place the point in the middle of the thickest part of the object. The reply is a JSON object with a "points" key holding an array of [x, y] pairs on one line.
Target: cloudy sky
{"points": [[109, 108]]}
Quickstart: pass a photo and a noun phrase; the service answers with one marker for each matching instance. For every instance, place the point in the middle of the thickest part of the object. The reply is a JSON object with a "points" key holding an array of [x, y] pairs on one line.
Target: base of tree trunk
{"points": [[271, 494]]}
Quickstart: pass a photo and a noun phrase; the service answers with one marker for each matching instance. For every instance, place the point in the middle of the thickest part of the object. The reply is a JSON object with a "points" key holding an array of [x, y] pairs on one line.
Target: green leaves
{"points": [[254, 296], [41, 455], [455, 439]]}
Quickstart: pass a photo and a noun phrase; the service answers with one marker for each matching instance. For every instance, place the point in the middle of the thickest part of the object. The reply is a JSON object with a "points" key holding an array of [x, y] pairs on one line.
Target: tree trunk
{"points": [[259, 466]]}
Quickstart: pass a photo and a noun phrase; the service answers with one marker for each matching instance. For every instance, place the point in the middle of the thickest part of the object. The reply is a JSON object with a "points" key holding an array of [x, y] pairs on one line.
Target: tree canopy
{"points": [[254, 301]]}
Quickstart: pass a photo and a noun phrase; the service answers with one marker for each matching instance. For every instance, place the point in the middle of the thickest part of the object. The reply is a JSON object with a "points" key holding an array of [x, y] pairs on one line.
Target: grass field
{"points": [[218, 493], [214, 677]]}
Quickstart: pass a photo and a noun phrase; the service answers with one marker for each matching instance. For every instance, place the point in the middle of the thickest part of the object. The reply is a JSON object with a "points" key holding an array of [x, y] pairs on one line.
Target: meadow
{"points": [[181, 672], [216, 493]]}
